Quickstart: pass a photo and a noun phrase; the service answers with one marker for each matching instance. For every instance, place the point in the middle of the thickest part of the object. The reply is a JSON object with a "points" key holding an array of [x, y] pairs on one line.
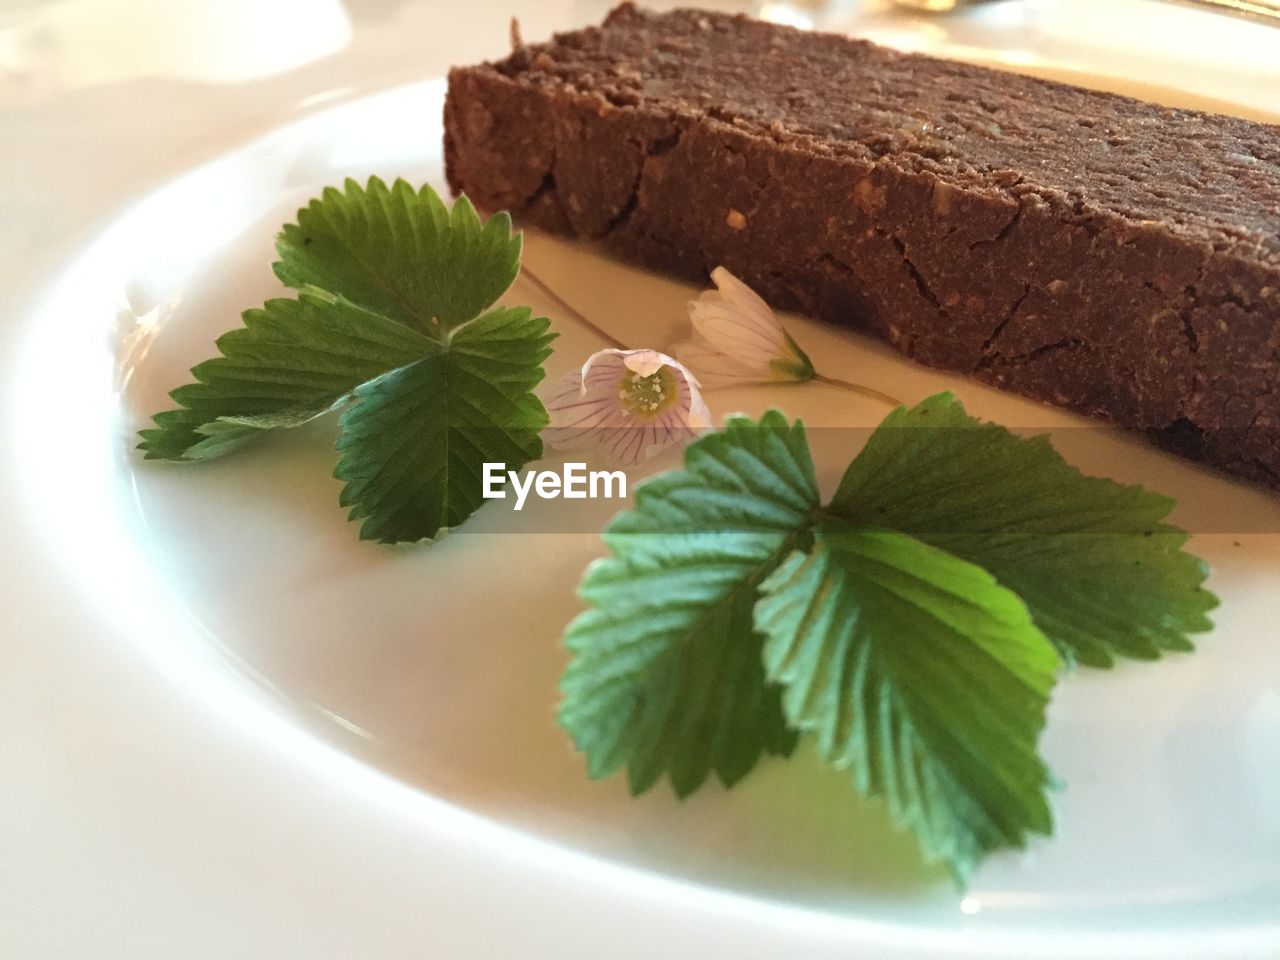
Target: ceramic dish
{"points": [[398, 703]]}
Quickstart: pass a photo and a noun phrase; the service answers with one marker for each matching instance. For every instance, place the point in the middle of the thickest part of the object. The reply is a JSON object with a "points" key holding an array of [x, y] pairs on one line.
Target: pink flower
{"points": [[738, 339], [629, 404]]}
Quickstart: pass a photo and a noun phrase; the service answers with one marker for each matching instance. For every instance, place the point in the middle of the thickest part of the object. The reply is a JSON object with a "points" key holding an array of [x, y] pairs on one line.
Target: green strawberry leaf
{"points": [[923, 676], [401, 253], [414, 444], [666, 676], [1102, 573], [292, 361]]}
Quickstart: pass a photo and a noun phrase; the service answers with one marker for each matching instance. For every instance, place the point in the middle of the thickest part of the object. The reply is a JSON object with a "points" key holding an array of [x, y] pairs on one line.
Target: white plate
{"points": [[388, 712]]}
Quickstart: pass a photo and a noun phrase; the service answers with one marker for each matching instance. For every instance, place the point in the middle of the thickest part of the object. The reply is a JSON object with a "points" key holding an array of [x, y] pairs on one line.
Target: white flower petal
{"points": [[602, 364], [575, 415], [724, 322], [698, 415], [589, 407], [734, 308], [734, 290], [734, 323], [645, 363], [623, 446], [715, 369]]}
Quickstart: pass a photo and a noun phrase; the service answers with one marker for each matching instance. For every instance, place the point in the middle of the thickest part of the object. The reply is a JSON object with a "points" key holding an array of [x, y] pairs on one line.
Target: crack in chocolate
{"points": [[655, 148], [628, 208], [999, 328], [1182, 436], [665, 144], [1003, 232], [1222, 299], [836, 264], [548, 185], [1188, 327], [1031, 356], [912, 271]]}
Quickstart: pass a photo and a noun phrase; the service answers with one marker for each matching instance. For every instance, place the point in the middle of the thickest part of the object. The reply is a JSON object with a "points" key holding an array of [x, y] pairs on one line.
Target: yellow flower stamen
{"points": [[648, 396]]}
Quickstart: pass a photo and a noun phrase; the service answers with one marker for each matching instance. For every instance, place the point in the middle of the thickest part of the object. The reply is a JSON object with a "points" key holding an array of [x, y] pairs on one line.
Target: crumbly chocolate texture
{"points": [[1110, 256]]}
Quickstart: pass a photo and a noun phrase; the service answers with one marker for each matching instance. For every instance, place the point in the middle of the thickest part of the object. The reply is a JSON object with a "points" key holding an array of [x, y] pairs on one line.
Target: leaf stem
{"points": [[559, 301], [541, 286], [858, 388]]}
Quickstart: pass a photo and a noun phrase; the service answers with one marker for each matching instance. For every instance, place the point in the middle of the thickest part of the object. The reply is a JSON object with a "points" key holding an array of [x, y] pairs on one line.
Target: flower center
{"points": [[648, 396]]}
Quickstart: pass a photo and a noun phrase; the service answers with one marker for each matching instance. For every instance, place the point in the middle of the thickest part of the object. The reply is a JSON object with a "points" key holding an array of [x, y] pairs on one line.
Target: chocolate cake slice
{"points": [[1103, 254]]}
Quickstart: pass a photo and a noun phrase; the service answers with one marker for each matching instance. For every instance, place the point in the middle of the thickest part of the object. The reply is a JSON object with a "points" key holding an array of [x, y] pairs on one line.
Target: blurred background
{"points": [[50, 46]]}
